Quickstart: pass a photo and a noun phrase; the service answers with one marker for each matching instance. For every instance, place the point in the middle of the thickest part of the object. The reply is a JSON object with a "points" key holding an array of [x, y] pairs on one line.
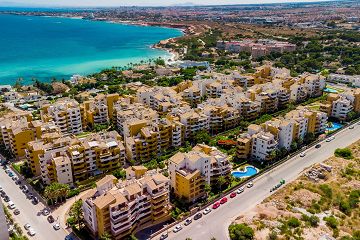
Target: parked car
{"points": [[177, 228], [11, 174], [197, 216], [2, 193], [11, 205], [240, 190], [16, 211], [35, 200], [27, 226], [233, 194], [18, 182], [188, 221], [6, 199], [25, 189], [50, 219], [15, 178], [56, 226], [216, 205], [250, 184], [351, 127], [45, 212], [68, 237], [7, 170], [207, 211], [223, 200], [29, 195], [318, 146], [302, 154], [164, 236], [31, 232]]}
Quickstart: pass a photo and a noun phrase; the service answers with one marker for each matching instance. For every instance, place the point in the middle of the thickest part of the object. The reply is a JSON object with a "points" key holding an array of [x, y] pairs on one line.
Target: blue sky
{"points": [[95, 3]]}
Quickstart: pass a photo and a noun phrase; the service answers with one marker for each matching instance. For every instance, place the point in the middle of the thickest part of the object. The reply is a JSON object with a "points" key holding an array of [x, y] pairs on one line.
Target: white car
{"points": [[240, 190], [177, 228], [11, 205], [31, 232], [45, 212], [302, 154], [188, 221], [56, 226], [250, 184], [27, 226], [207, 211]]}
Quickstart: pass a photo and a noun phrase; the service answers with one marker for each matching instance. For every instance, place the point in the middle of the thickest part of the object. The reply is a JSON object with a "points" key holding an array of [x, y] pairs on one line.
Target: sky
{"points": [[100, 3]]}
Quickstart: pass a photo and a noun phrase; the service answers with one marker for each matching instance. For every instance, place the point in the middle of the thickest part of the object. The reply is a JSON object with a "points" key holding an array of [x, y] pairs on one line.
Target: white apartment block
{"points": [[341, 108], [263, 143], [66, 114], [347, 79]]}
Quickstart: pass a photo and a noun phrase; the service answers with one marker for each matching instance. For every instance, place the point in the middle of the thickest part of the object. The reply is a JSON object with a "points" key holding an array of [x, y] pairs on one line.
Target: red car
{"points": [[223, 200], [233, 194], [216, 205]]}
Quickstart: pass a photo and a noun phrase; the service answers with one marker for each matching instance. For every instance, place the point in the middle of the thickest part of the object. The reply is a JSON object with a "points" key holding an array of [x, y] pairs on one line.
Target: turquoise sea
{"points": [[47, 47]]}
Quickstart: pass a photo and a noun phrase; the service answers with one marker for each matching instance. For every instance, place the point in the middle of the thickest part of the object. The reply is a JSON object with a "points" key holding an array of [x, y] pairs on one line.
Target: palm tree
{"points": [[76, 212], [221, 180], [207, 189]]}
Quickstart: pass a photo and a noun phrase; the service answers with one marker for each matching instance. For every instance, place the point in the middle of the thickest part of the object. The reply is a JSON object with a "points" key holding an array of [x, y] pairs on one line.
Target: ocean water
{"points": [[47, 47]]}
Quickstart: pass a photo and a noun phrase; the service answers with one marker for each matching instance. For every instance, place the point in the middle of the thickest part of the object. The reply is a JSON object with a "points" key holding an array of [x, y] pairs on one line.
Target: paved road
{"points": [[215, 224], [29, 213]]}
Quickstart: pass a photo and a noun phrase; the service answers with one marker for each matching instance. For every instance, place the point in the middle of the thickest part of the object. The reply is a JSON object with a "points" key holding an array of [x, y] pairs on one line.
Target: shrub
{"points": [[343, 153], [344, 206], [273, 236], [326, 189], [241, 232], [293, 222], [73, 192], [331, 222], [312, 220]]}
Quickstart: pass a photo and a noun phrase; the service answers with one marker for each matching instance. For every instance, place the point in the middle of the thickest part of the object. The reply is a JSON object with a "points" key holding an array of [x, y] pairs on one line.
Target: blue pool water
{"points": [[330, 90], [46, 47], [334, 127], [249, 171]]}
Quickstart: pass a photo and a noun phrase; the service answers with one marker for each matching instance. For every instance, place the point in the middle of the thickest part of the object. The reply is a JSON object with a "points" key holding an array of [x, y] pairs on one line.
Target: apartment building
{"points": [[66, 114], [193, 120], [282, 130], [341, 108], [100, 110], [161, 99], [147, 139], [123, 207], [314, 84], [189, 172], [192, 95], [347, 79]]}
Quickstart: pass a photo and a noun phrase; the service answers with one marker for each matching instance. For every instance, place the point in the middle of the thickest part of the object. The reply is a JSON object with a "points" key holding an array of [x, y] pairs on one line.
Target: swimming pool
{"points": [[330, 90], [334, 126], [249, 171]]}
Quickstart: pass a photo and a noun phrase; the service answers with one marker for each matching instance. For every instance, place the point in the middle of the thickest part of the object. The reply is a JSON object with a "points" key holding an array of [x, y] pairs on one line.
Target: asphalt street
{"points": [[216, 223], [29, 213]]}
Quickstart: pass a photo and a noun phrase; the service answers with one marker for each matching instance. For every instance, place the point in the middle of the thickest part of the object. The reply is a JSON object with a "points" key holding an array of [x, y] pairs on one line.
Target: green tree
{"points": [[106, 236], [207, 189], [343, 153], [241, 232], [119, 173], [55, 191], [76, 212], [202, 137]]}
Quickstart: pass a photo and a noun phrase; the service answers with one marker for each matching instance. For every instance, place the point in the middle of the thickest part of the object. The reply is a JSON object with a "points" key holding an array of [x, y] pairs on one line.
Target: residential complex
{"points": [[122, 207]]}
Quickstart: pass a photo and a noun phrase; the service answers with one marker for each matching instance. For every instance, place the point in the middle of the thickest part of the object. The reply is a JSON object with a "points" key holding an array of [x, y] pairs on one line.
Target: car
{"points": [[11, 205], [27, 226], [164, 236], [1, 188], [240, 190], [207, 211], [352, 127], [2, 193], [318, 146], [7, 170], [233, 194], [11, 174], [29, 195], [56, 226], [198, 216], [223, 200], [250, 184], [16, 211], [68, 237], [302, 154], [25, 189], [328, 140], [188, 221], [6, 199], [18, 182], [358, 123], [216, 205], [177, 228], [35, 200], [45, 212], [50, 219], [31, 232], [15, 178]]}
